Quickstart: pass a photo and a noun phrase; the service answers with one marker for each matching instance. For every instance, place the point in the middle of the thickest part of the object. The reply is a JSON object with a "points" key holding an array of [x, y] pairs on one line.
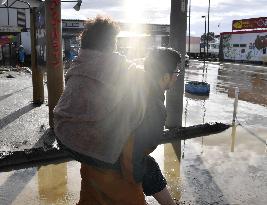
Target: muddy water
{"points": [[227, 168]]}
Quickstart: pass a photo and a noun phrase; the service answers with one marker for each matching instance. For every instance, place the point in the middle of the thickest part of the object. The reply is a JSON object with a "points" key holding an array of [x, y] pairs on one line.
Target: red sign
{"points": [[252, 23], [55, 34]]}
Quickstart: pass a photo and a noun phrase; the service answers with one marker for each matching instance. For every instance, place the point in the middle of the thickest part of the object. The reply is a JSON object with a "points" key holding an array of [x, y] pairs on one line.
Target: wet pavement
{"points": [[18, 115], [226, 168], [24, 130]]}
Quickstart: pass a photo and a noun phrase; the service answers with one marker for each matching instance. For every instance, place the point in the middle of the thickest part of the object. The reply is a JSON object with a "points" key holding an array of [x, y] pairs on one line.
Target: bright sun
{"points": [[134, 10]]}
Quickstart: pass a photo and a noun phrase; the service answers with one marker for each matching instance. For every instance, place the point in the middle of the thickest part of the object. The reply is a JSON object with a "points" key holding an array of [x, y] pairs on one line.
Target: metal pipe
{"points": [[233, 136], [235, 104], [12, 7]]}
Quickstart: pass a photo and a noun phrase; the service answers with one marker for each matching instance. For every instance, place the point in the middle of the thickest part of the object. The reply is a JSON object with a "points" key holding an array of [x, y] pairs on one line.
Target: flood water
{"points": [[226, 168]]}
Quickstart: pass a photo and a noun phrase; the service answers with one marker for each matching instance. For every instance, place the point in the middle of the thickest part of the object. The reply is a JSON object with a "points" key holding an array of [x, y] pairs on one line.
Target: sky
{"points": [[222, 12]]}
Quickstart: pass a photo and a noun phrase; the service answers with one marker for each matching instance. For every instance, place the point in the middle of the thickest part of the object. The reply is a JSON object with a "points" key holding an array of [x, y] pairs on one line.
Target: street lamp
{"points": [[208, 29], [77, 5], [205, 40], [189, 29]]}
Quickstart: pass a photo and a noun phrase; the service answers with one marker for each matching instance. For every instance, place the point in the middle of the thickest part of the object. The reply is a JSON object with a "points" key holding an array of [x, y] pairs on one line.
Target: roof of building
{"points": [[242, 32]]}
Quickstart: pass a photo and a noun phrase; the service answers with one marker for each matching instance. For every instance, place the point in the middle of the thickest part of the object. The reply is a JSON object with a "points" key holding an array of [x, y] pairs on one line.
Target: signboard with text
{"points": [[253, 23], [10, 29]]}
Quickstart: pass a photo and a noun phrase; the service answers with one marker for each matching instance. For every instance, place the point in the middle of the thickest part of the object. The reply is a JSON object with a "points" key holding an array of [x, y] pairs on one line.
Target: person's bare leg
{"points": [[164, 197]]}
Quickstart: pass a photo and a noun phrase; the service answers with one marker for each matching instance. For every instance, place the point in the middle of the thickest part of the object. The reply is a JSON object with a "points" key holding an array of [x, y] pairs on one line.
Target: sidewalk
{"points": [[25, 135]]}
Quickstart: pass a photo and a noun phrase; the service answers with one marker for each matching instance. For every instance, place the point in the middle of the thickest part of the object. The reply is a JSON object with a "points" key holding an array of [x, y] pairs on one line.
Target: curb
{"points": [[12, 159]]}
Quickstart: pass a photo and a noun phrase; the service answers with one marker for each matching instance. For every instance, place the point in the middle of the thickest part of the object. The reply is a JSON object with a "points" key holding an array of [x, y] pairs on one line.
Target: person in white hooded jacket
{"points": [[98, 117]]}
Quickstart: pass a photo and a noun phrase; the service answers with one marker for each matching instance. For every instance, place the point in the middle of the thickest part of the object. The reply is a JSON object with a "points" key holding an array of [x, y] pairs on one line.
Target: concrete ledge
{"points": [[12, 159], [49, 150]]}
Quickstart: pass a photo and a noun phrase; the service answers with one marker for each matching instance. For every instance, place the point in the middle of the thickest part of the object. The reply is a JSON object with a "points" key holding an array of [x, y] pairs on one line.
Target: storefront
{"points": [[247, 42], [9, 42]]}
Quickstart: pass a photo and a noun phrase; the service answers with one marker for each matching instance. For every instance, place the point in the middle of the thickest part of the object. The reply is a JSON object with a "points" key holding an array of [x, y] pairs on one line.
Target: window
{"points": [[243, 45], [243, 50], [68, 24], [235, 45], [76, 24], [21, 18], [264, 50]]}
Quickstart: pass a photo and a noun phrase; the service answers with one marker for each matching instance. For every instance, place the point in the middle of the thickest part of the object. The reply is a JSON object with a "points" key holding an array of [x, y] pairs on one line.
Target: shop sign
{"points": [[252, 23], [9, 29]]}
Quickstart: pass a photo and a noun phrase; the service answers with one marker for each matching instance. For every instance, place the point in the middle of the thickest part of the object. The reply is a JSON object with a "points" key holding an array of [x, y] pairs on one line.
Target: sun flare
{"points": [[134, 11]]}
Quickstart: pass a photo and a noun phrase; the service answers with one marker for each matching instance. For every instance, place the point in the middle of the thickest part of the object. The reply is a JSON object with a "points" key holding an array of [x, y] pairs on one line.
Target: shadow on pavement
{"points": [[10, 94], [15, 115]]}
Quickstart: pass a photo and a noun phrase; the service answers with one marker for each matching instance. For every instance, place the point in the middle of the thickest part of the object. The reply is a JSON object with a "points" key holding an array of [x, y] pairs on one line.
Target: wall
{"points": [[12, 17], [194, 44], [243, 47], [26, 42], [13, 13]]}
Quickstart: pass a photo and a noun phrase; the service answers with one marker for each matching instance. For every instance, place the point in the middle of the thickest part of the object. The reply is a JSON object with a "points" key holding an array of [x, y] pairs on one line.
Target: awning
{"points": [[6, 39]]}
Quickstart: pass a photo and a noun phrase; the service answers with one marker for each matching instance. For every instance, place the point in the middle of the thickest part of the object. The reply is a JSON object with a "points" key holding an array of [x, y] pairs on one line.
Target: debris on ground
{"points": [[48, 151], [10, 76]]}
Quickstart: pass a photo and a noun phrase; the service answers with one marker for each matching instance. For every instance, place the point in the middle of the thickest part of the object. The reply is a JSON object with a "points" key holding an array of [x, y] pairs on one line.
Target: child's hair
{"points": [[100, 34]]}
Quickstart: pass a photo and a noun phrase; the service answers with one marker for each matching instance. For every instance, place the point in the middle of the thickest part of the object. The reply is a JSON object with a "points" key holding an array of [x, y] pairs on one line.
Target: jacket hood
{"points": [[103, 103], [106, 68]]}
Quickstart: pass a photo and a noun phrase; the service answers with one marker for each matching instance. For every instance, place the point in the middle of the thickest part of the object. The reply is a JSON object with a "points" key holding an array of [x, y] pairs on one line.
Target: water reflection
{"points": [[202, 99], [52, 183], [252, 84], [172, 160], [196, 97], [233, 136]]}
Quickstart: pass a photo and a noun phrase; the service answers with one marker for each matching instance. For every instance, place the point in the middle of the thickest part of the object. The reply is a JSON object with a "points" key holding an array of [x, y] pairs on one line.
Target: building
{"points": [[71, 31], [247, 42], [194, 51], [15, 28], [245, 46], [134, 40]]}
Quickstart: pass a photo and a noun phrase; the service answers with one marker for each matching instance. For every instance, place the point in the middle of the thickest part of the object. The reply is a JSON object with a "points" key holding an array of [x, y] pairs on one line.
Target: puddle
{"points": [[226, 168]]}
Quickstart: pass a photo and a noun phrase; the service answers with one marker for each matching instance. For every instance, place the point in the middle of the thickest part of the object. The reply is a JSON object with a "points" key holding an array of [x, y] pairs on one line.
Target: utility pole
{"points": [[208, 30], [189, 29], [54, 64], [37, 76], [174, 96], [205, 54], [205, 42]]}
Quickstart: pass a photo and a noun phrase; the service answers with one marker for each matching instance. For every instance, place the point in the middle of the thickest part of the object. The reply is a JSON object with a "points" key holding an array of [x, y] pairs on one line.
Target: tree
{"points": [[210, 35]]}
